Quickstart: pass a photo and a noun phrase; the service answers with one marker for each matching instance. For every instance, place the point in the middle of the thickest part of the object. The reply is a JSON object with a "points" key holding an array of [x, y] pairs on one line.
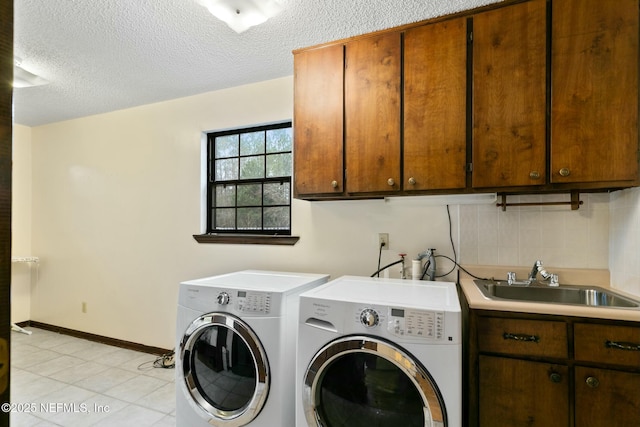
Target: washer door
{"points": [[364, 381], [224, 369]]}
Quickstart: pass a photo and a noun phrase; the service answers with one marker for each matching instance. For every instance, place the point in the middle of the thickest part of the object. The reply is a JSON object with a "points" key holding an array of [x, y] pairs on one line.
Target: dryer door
{"points": [[364, 381], [224, 369]]}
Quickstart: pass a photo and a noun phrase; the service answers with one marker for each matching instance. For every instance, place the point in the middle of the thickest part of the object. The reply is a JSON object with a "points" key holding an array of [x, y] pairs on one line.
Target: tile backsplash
{"points": [[521, 234], [603, 234]]}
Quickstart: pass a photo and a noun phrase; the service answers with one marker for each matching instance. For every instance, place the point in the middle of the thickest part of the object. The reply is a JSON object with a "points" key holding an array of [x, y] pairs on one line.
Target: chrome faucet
{"points": [[537, 268]]}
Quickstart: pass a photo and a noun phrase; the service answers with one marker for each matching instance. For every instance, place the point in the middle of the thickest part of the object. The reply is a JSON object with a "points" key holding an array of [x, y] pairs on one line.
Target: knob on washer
{"points": [[223, 298], [369, 317]]}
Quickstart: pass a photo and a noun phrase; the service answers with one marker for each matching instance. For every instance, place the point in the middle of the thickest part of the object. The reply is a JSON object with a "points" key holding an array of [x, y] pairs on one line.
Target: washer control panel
{"points": [[403, 322], [416, 323], [253, 302]]}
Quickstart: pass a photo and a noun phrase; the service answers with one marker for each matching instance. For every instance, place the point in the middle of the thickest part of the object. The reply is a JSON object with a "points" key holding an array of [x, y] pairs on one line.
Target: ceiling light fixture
{"points": [[24, 78], [240, 15]]}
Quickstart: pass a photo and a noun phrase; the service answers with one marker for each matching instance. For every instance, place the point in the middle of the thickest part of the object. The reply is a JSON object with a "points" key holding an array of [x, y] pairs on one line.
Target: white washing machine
{"points": [[235, 348], [379, 352]]}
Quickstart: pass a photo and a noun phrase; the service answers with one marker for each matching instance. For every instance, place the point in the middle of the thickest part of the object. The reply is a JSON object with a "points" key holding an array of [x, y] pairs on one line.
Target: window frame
{"points": [[258, 236]]}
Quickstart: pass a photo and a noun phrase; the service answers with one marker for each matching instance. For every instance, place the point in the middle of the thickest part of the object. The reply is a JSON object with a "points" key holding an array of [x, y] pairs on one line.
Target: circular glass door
{"points": [[363, 381], [224, 368]]}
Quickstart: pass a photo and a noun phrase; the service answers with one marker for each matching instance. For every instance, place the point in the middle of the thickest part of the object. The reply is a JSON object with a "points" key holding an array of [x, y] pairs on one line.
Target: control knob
{"points": [[223, 298], [369, 317]]}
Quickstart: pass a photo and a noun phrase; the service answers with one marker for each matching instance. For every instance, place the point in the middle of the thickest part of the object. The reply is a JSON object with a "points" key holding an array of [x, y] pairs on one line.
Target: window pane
{"points": [[250, 194], [276, 218], [276, 193], [249, 218], [279, 165], [252, 167], [226, 169], [250, 171], [279, 140], [226, 146], [225, 219], [252, 143], [225, 196]]}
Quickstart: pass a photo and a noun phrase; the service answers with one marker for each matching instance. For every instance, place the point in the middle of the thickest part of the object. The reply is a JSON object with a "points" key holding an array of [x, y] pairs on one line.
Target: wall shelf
{"points": [[33, 259]]}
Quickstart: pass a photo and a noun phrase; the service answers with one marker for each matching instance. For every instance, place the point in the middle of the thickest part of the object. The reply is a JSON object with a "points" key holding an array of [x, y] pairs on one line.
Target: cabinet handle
{"points": [[391, 182], [521, 337], [555, 377], [592, 382], [334, 184], [412, 181], [564, 172], [534, 175], [622, 345]]}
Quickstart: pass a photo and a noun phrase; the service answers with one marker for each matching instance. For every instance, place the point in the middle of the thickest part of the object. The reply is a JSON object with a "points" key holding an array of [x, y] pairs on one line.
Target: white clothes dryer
{"points": [[235, 348], [379, 352]]}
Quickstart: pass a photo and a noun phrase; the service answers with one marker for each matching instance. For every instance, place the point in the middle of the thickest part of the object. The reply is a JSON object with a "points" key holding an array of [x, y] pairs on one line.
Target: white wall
{"points": [[117, 198], [624, 257], [22, 274]]}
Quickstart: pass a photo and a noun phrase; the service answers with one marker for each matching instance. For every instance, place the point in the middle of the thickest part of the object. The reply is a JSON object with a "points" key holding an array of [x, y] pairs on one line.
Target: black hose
{"points": [[387, 266]]}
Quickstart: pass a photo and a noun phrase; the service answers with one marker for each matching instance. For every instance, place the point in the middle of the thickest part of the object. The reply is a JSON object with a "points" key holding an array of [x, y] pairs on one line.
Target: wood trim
{"points": [[247, 239], [97, 338], [6, 129]]}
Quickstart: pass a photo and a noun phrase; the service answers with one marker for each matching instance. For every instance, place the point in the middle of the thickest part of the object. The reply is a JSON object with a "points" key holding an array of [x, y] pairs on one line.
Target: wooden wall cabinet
{"points": [[509, 96], [538, 370], [318, 121], [518, 97], [594, 99], [372, 114], [435, 105]]}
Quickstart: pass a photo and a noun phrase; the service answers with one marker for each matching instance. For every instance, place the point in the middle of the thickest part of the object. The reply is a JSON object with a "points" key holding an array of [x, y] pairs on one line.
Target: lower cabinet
{"points": [[542, 370], [517, 392], [606, 397]]}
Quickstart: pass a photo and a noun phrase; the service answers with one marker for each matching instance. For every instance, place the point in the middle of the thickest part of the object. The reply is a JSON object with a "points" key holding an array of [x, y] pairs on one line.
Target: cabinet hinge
{"points": [[469, 167]]}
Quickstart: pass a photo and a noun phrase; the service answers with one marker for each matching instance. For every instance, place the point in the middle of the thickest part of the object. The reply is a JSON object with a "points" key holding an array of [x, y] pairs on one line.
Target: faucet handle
{"points": [[554, 280], [511, 277]]}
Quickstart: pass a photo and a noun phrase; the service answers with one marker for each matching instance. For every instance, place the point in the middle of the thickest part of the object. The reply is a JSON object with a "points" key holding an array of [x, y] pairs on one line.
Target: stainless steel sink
{"points": [[564, 294]]}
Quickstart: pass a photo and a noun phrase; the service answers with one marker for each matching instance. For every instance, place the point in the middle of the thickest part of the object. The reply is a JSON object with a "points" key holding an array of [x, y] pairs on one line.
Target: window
{"points": [[249, 181]]}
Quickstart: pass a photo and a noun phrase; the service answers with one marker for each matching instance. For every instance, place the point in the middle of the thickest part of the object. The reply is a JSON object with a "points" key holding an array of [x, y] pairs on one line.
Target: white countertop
{"points": [[477, 300]]}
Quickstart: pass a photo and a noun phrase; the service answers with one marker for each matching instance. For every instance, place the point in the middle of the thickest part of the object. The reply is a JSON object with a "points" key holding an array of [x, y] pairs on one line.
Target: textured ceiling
{"points": [[106, 55]]}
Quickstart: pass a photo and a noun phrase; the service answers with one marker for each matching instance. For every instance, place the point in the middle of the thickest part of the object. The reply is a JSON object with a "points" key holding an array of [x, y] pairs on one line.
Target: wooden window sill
{"points": [[247, 239]]}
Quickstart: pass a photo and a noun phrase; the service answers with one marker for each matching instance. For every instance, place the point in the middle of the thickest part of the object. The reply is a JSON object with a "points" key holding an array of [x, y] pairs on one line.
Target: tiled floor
{"points": [[58, 380]]}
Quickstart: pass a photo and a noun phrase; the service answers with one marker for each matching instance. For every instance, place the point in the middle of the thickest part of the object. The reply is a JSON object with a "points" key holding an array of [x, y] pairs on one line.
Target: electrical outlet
{"points": [[383, 240], [84, 307]]}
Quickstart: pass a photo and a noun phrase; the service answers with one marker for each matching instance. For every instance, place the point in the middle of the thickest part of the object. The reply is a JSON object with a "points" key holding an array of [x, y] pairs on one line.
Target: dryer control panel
{"points": [[253, 302]]}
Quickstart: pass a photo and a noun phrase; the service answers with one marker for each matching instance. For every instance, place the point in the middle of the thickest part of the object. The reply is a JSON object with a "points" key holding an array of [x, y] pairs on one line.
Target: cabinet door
{"points": [[607, 398], [372, 114], [594, 101], [523, 337], [522, 393], [435, 84], [509, 96], [317, 121], [611, 344]]}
